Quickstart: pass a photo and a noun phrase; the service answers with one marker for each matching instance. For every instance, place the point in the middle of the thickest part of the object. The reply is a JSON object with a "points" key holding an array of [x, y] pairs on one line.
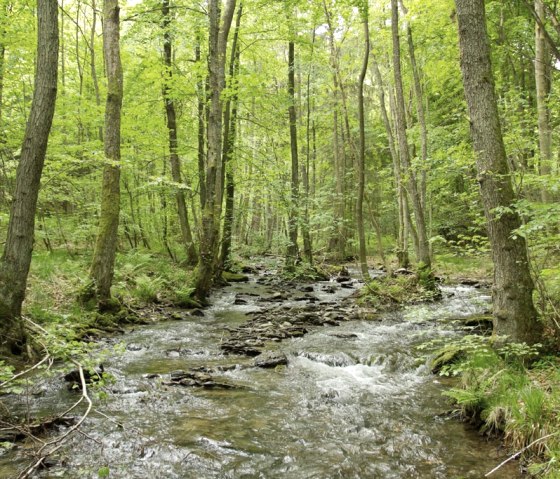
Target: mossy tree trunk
{"points": [[16, 258], [292, 253], [514, 312], [211, 213], [543, 87], [230, 136], [103, 262]]}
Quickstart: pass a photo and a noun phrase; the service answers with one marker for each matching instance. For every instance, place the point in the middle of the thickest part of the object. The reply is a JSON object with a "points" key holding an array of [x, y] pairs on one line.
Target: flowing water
{"points": [[354, 401]]}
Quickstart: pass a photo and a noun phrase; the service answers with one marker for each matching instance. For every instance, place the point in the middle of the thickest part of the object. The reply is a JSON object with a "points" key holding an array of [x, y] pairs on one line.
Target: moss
{"points": [[306, 272], [390, 292], [234, 277], [446, 356]]}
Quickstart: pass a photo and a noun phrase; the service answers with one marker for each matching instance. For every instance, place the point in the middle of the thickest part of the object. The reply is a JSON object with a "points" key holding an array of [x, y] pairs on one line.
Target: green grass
{"points": [[452, 266], [513, 392], [56, 280]]}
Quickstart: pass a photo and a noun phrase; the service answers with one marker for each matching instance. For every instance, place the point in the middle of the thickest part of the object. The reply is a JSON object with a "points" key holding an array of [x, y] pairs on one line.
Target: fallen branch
{"points": [[43, 453], [518, 453], [23, 373]]}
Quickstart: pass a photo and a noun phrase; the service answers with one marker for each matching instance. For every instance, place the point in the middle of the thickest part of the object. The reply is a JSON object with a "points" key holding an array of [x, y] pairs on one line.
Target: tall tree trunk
{"points": [[103, 261], [201, 116], [174, 160], [211, 213], [2, 60], [543, 84], [230, 134], [402, 240], [419, 95], [338, 239], [16, 257], [307, 244], [93, 66], [360, 170], [514, 313], [292, 252], [423, 259]]}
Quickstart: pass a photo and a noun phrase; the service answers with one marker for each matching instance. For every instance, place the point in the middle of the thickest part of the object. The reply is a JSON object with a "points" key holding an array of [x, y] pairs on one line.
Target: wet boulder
{"points": [[270, 359], [343, 279], [199, 379]]}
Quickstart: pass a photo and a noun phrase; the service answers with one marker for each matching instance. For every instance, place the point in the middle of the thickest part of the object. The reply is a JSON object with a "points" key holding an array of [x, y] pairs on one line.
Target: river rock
{"points": [[402, 271], [197, 312], [344, 335], [74, 380], [270, 360], [198, 379]]}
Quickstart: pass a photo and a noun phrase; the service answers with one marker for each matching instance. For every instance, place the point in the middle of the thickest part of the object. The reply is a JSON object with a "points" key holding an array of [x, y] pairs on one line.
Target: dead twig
{"points": [[518, 453], [23, 373], [44, 452]]}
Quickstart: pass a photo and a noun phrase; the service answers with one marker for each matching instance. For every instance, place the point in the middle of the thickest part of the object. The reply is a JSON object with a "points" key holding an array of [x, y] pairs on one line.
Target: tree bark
{"points": [[16, 257], [174, 160], [92, 65], [103, 262], [230, 135], [419, 95], [402, 234], [514, 313], [543, 86], [306, 234], [292, 253], [201, 115], [423, 259], [338, 239], [360, 170], [211, 213]]}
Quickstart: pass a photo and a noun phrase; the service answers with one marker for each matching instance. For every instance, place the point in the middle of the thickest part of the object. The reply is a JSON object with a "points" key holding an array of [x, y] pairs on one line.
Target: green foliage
{"points": [[147, 288], [507, 392], [305, 272], [388, 292], [103, 472]]}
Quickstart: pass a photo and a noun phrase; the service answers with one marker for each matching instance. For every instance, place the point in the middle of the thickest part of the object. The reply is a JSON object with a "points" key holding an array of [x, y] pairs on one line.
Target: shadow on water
{"points": [[354, 401]]}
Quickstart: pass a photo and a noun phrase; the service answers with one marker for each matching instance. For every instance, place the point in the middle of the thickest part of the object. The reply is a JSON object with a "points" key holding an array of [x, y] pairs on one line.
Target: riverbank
{"points": [[352, 395], [268, 324]]}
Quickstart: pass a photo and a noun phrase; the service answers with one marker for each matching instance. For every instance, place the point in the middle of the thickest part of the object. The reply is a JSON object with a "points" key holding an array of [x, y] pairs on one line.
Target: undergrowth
{"points": [[306, 272], [512, 391], [392, 291]]}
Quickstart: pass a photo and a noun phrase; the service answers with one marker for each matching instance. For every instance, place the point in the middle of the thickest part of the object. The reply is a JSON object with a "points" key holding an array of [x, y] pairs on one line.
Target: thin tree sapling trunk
{"points": [[360, 170], [174, 160], [292, 253]]}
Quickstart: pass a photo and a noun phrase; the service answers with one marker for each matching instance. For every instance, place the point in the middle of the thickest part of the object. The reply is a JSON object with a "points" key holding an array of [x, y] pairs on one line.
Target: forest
{"points": [[249, 238]]}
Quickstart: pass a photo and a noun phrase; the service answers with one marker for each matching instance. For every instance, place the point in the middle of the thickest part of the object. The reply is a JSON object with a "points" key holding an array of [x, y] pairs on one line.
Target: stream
{"points": [[355, 400]]}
